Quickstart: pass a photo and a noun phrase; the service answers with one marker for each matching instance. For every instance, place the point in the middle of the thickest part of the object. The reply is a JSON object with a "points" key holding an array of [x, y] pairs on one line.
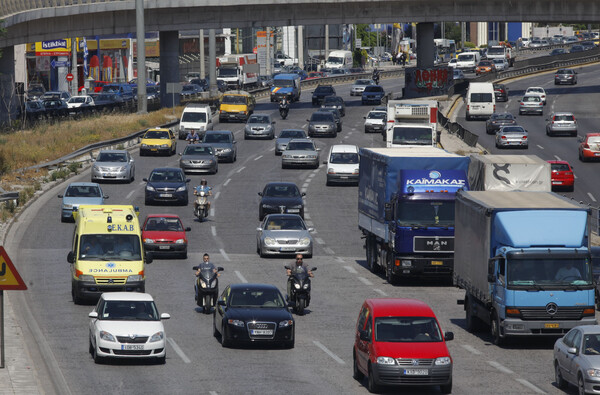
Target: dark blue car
{"points": [[167, 185], [372, 94]]}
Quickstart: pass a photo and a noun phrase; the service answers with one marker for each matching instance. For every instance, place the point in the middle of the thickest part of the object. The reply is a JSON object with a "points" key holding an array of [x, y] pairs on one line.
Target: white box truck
{"points": [[411, 123]]}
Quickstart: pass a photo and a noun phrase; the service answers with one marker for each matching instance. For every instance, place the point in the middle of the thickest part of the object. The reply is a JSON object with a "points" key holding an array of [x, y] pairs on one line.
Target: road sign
{"points": [[9, 276], [358, 43], [60, 63], [69, 77]]}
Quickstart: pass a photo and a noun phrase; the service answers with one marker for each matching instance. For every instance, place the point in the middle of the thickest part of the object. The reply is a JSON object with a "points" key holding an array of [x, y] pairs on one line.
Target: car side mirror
{"points": [[364, 336], [194, 267], [448, 336], [93, 314], [310, 230], [303, 194], [188, 180], [181, 154], [318, 149], [287, 267], [188, 229], [308, 120], [258, 229], [572, 350], [273, 122], [165, 316], [71, 257], [324, 162], [60, 196], [222, 303], [260, 194], [148, 257], [313, 269], [145, 179]]}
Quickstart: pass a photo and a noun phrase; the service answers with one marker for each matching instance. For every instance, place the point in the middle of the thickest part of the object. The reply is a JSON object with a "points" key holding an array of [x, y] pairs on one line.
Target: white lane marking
{"points": [[350, 269], [530, 386], [213, 393], [130, 194], [332, 355], [306, 215], [242, 279], [501, 368], [365, 281], [340, 259], [217, 195], [213, 229], [574, 176], [212, 212], [142, 183], [539, 146], [347, 136], [557, 158], [316, 170], [471, 349], [258, 157], [380, 292], [349, 133], [224, 254], [591, 196], [240, 169], [309, 223], [178, 350], [303, 126], [329, 251], [272, 149], [305, 185], [319, 240], [227, 182], [311, 175]]}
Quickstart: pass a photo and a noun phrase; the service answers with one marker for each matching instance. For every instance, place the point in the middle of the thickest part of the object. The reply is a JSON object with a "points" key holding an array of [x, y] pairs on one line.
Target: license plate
{"points": [[261, 332], [231, 116], [132, 347], [416, 372], [287, 249], [556, 182], [344, 177], [437, 263], [166, 195], [154, 149], [597, 154], [552, 326], [293, 210], [164, 247]]}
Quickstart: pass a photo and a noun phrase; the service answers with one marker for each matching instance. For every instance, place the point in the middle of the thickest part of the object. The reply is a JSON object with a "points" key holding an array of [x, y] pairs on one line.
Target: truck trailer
{"points": [[238, 71], [509, 173], [411, 123]]}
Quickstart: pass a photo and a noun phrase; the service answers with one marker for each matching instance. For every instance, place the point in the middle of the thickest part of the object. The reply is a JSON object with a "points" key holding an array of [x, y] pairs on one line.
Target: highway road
{"points": [[321, 361]]}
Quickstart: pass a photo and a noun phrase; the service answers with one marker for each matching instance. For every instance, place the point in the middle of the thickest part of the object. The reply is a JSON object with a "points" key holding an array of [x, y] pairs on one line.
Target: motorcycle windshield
{"points": [[300, 274], [206, 274]]}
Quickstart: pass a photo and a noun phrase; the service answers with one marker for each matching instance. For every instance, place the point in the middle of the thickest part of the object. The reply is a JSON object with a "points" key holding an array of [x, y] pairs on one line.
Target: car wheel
{"points": [[216, 169], [215, 331], [446, 388], [356, 373], [558, 378], [261, 253], [77, 299], [97, 358], [225, 342], [372, 386], [581, 157], [184, 255], [289, 345], [372, 255], [580, 385], [90, 347], [473, 322], [162, 360]]}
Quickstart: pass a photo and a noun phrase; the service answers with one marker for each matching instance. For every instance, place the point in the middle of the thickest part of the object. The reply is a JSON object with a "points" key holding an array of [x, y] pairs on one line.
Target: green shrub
{"points": [[74, 167]]}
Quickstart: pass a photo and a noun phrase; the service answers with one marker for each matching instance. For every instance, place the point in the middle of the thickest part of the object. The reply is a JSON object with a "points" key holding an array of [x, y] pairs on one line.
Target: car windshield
{"points": [[109, 247], [283, 83], [321, 117], [495, 51], [188, 88], [548, 271], [258, 119], [373, 89], [128, 310], [267, 298], [166, 176], [500, 61], [405, 135], [344, 157], [591, 344], [230, 99], [197, 150], [300, 146], [77, 99], [284, 223], [485, 63], [376, 115], [363, 82], [34, 104], [281, 191], [335, 60], [466, 57], [216, 138], [112, 157], [560, 167], [227, 72], [294, 134], [156, 134], [189, 116], [163, 224], [407, 329], [83, 191]]}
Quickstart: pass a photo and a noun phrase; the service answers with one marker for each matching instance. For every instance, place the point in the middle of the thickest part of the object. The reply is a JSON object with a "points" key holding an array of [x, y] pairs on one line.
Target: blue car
{"points": [[78, 193], [166, 185], [372, 94]]}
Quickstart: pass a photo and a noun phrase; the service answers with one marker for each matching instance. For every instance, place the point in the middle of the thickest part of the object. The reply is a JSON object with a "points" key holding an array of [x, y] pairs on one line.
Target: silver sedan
{"points": [[577, 359], [199, 158], [359, 86], [300, 152], [281, 234], [512, 136], [113, 165], [259, 126], [284, 138]]}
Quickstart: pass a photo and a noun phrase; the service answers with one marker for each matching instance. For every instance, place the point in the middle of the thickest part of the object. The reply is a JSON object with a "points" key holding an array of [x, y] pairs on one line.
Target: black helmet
{"points": [[203, 182]]}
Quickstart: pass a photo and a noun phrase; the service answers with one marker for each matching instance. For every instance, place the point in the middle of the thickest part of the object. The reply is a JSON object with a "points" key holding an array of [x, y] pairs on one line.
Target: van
{"points": [[125, 91], [286, 85], [107, 253], [339, 60], [468, 61], [342, 164], [399, 342], [195, 116], [481, 100], [236, 105]]}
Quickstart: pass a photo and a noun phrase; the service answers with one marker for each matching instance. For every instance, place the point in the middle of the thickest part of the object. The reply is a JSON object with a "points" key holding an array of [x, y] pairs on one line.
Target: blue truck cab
{"points": [[286, 85]]}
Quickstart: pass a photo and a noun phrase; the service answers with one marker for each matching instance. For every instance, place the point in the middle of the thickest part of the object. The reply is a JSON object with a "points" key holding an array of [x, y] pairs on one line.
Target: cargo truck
{"points": [[501, 52], [509, 173], [406, 209], [411, 123], [238, 71], [523, 260]]}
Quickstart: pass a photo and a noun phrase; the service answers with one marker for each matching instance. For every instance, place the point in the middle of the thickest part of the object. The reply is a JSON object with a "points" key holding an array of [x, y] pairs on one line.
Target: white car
{"points": [[452, 63], [127, 325], [501, 64], [537, 90], [342, 164], [80, 101]]}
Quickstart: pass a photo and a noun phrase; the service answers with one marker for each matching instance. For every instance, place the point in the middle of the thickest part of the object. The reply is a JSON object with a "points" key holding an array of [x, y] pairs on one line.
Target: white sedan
{"points": [[537, 90], [127, 325], [501, 64]]}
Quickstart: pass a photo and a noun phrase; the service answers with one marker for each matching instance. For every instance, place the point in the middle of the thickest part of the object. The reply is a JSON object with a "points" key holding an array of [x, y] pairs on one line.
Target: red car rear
{"points": [[164, 234], [562, 175], [590, 147]]}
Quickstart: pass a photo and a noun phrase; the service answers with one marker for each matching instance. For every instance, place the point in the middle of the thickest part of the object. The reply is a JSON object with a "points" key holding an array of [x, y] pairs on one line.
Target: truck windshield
{"points": [[425, 213], [335, 60], [108, 247], [549, 272], [408, 135], [495, 51], [283, 83], [227, 72]]}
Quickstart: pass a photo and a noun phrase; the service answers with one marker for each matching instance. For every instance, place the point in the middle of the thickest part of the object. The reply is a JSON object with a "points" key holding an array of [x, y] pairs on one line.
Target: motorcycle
{"points": [[207, 288], [376, 78], [201, 206], [284, 108], [300, 289]]}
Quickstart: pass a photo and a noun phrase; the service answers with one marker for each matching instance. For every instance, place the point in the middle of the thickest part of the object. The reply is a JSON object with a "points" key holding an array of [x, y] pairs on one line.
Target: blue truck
{"points": [[523, 260], [286, 85], [406, 209]]}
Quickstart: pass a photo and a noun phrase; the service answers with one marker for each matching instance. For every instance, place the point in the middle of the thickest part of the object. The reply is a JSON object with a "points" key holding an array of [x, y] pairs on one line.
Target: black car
{"points": [[280, 198], [587, 45], [34, 110], [558, 51], [565, 76], [321, 92], [56, 108], [205, 84], [501, 92], [166, 185], [497, 120], [253, 313], [576, 48], [335, 102]]}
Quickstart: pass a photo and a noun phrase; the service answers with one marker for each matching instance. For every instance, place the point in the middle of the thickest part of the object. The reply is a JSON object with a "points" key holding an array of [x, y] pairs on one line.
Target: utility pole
{"points": [[140, 32], [202, 65]]}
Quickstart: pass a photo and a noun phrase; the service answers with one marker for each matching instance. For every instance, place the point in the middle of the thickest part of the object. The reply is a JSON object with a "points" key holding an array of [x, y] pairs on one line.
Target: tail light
{"points": [[524, 137], [568, 173], [521, 103], [503, 137], [494, 108]]}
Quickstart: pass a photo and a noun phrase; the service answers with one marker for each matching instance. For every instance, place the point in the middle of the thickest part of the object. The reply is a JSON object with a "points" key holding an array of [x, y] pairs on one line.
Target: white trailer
{"points": [[411, 123]]}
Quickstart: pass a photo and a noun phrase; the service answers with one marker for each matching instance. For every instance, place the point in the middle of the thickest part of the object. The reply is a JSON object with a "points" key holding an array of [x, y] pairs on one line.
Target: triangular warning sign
{"points": [[9, 276]]}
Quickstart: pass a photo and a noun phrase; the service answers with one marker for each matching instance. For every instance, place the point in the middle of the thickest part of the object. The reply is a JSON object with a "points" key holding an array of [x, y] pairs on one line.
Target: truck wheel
{"points": [[389, 274], [495, 330], [371, 254], [473, 322]]}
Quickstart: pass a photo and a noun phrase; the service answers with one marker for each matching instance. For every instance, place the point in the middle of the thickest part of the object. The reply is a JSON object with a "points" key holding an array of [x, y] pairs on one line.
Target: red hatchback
{"points": [[399, 342], [590, 147], [164, 234], [562, 175]]}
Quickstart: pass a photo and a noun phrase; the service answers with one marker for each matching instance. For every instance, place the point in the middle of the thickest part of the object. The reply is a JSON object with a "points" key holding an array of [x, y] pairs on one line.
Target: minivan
{"points": [[467, 61], [480, 100], [342, 164], [400, 342], [196, 117]]}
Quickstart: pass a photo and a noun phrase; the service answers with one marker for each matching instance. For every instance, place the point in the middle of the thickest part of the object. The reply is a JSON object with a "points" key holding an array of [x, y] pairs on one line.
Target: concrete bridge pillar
{"points": [[8, 95], [169, 66], [425, 45]]}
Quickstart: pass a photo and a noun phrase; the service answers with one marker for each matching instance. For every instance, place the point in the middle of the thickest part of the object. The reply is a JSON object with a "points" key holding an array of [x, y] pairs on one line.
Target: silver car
{"points": [[284, 234], [375, 121], [512, 136], [113, 165], [300, 152], [223, 143], [259, 126], [322, 123], [577, 359], [561, 123], [359, 86], [78, 193], [284, 138], [531, 104], [199, 158]]}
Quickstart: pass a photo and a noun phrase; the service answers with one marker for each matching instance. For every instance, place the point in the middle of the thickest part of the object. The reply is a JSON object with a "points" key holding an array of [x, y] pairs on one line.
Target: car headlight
{"points": [[311, 156], [286, 156], [164, 145], [107, 336], [185, 162], [305, 286], [150, 188], [236, 323], [180, 241], [304, 241], [386, 361], [355, 171], [148, 241], [158, 336], [242, 112], [330, 171], [227, 150], [267, 206], [285, 324], [86, 277], [122, 168], [211, 161], [96, 168], [270, 241], [443, 361], [134, 278], [181, 189], [296, 285], [67, 206], [144, 145]]}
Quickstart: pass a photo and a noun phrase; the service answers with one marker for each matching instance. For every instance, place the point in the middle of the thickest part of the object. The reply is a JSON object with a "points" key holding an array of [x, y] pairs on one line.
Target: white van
{"points": [[196, 117], [342, 164], [339, 60], [468, 61], [481, 100]]}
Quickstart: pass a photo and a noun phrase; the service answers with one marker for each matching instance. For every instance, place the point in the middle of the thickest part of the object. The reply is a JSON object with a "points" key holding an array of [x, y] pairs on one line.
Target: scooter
{"points": [[284, 108], [201, 209], [300, 289], [207, 288]]}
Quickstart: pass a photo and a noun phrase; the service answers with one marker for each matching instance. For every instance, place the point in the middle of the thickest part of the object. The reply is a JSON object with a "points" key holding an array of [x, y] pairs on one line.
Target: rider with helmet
{"points": [[203, 187]]}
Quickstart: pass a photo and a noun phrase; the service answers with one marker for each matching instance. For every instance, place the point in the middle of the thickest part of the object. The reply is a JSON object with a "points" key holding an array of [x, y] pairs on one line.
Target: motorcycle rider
{"points": [[202, 187], [192, 137], [206, 264], [284, 107], [299, 265], [376, 76]]}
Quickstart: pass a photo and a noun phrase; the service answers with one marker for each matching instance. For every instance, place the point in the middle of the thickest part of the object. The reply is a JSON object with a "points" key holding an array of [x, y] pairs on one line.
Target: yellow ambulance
{"points": [[107, 253]]}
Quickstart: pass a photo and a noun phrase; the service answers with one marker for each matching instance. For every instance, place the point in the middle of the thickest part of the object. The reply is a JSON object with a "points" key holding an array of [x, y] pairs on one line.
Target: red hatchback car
{"points": [[562, 175], [164, 234], [590, 147], [399, 342]]}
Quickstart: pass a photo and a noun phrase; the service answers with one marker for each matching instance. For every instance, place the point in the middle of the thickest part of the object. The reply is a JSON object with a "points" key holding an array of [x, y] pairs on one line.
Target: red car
{"points": [[399, 342], [315, 74], [562, 175], [590, 147], [164, 234]]}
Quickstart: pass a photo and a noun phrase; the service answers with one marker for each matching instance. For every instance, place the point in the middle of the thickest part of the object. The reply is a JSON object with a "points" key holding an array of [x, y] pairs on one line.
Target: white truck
{"points": [[467, 61], [501, 52], [284, 60], [238, 71], [411, 123], [509, 173]]}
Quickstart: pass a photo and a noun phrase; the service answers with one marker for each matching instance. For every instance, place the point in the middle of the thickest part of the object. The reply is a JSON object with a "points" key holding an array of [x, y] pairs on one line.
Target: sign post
{"points": [[9, 280]]}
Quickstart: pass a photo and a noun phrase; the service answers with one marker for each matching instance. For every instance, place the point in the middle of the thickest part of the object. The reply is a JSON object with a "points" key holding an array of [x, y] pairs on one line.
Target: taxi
{"points": [[158, 141], [236, 106]]}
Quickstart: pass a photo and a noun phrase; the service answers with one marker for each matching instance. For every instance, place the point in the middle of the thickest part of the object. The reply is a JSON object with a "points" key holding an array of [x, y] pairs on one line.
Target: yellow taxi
{"points": [[236, 106], [158, 141]]}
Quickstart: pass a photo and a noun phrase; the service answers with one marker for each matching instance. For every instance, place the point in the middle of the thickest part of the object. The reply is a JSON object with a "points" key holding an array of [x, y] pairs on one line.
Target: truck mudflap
{"points": [[518, 327], [410, 266]]}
